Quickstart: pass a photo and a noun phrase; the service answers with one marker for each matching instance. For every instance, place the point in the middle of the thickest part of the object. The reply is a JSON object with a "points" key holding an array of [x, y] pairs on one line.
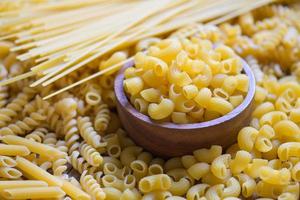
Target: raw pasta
{"points": [[73, 146], [172, 81]]}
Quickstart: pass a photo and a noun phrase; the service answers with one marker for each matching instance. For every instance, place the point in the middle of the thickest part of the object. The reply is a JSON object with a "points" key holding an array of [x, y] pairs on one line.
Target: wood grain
{"points": [[169, 139]]}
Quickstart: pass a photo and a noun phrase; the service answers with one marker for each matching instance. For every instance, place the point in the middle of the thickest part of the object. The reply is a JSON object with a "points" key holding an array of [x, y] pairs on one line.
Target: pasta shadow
{"points": [[169, 139]]}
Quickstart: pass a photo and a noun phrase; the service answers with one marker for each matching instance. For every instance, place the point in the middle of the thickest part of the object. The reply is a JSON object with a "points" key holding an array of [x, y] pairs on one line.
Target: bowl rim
{"points": [[123, 101]]}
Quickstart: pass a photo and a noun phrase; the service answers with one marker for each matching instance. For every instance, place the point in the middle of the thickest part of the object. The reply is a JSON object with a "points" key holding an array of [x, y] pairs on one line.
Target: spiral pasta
{"points": [[3, 96], [34, 105], [62, 146], [71, 133], [91, 155], [88, 133], [59, 166], [46, 165], [50, 139], [37, 135], [23, 126], [3, 89], [79, 163], [70, 129], [54, 122], [90, 185], [102, 118], [11, 110]]}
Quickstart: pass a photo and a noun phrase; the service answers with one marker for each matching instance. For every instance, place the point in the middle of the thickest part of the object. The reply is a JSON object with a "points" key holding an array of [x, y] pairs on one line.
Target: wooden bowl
{"points": [[168, 139]]}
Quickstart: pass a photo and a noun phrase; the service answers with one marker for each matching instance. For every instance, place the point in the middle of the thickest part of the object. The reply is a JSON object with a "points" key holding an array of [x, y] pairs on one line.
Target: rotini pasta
{"points": [[102, 118], [88, 133], [25, 125], [11, 110], [79, 163], [90, 185], [91, 155]]}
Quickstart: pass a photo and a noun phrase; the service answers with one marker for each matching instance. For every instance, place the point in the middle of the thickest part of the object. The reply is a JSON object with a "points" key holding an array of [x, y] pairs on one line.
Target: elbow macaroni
{"points": [[176, 76], [155, 182]]}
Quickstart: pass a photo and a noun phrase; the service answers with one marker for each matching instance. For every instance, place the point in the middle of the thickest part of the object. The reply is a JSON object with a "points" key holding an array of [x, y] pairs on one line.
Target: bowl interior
{"points": [[123, 100]]}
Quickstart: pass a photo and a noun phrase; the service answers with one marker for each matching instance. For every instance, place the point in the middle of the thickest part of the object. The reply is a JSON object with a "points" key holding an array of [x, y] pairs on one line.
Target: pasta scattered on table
{"points": [[73, 146]]}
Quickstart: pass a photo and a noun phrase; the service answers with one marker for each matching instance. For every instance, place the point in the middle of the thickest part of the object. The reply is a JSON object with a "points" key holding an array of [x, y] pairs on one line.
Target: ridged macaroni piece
{"points": [[232, 188], [102, 118], [110, 168], [88, 133], [112, 193], [11, 110], [197, 191], [248, 185], [90, 185], [91, 155], [288, 149], [155, 182], [198, 170], [240, 162], [113, 145], [214, 192], [112, 181], [26, 125], [93, 95], [146, 43], [129, 154], [180, 187], [139, 169], [253, 168], [178, 77], [220, 165], [277, 177], [133, 194], [208, 155], [172, 163], [160, 195], [115, 58]]}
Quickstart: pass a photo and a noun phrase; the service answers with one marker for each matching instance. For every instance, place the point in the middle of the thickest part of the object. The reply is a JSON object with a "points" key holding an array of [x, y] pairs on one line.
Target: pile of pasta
{"points": [[73, 146], [186, 81], [49, 33]]}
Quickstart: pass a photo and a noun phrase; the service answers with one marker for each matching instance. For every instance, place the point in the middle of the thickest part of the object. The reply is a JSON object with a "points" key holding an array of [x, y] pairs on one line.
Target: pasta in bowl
{"points": [[181, 96]]}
